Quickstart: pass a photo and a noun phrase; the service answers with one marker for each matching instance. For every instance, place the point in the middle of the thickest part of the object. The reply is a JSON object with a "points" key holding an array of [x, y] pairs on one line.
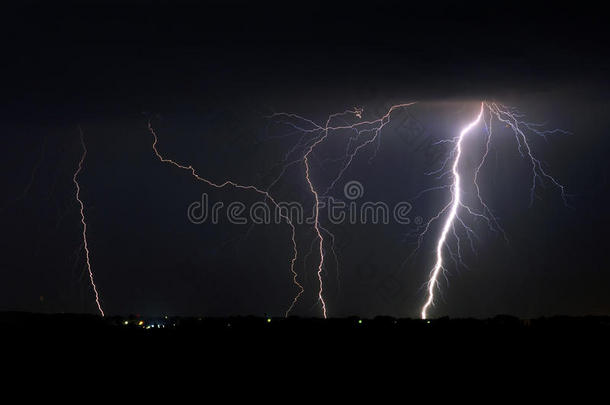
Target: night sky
{"points": [[208, 75]]}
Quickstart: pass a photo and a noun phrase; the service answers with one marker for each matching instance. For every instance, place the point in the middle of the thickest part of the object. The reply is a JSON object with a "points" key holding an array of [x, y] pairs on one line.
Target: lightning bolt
{"points": [[229, 183], [367, 132], [82, 220], [453, 207], [317, 223], [320, 134], [515, 121]]}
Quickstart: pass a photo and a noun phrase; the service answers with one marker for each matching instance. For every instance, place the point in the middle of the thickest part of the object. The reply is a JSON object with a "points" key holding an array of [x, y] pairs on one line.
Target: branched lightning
{"points": [[82, 219], [363, 133], [453, 207], [515, 121], [318, 134]]}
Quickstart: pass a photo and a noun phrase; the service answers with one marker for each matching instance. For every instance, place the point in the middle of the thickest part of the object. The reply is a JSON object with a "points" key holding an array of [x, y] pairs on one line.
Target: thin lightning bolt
{"points": [[320, 134], [264, 193], [317, 224], [514, 120], [82, 220]]}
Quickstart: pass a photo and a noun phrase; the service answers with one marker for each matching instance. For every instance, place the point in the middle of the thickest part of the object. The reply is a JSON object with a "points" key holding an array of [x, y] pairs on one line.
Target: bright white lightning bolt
{"points": [[455, 203], [514, 120], [82, 220]]}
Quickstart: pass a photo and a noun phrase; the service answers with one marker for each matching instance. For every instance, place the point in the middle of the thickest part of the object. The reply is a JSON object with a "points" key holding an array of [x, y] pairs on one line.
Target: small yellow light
{"points": [[126, 323], [427, 321], [359, 321], [268, 320], [141, 323]]}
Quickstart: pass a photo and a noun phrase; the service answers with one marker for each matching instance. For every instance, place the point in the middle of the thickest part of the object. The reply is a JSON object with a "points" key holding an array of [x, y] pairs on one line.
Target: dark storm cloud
{"points": [[105, 55]]}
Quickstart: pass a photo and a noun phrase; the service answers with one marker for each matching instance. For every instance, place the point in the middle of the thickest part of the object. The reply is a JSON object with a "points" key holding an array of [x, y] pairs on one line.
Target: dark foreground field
{"points": [[392, 352], [500, 334]]}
